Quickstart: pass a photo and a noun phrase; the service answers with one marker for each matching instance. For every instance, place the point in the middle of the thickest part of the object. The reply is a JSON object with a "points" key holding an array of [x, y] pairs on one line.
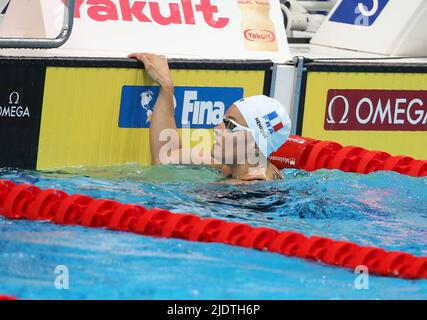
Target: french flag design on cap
{"points": [[273, 122]]}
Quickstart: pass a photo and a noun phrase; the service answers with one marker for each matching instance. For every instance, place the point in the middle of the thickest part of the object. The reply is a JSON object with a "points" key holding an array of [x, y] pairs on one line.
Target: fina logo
{"points": [[359, 12], [147, 104], [195, 107], [146, 98]]}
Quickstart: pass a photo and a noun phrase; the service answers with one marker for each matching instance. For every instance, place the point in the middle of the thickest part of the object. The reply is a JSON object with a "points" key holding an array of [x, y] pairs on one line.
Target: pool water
{"points": [[383, 209]]}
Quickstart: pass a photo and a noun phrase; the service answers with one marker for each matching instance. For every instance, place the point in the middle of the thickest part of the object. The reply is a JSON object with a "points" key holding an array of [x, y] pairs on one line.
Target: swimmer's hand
{"points": [[157, 68]]}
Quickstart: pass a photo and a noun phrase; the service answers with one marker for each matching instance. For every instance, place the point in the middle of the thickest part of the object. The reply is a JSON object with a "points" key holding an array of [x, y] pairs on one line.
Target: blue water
{"points": [[383, 209]]}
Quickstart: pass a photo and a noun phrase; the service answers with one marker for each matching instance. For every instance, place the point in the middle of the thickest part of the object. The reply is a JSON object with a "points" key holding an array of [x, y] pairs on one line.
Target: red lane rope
{"points": [[6, 297], [30, 202], [310, 154]]}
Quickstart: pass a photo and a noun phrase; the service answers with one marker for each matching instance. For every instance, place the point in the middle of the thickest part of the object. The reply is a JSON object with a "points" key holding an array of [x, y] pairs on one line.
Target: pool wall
{"points": [[61, 112]]}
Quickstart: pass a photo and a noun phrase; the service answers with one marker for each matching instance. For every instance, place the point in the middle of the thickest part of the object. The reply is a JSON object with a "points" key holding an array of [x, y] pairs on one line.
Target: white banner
{"points": [[203, 29], [21, 19], [388, 27], [3, 8]]}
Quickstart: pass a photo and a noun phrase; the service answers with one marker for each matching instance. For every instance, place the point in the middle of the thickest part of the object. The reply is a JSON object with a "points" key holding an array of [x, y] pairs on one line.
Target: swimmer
{"points": [[262, 122]]}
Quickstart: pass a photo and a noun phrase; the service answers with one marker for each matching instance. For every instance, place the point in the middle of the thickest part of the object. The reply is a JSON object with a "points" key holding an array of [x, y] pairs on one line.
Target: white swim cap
{"points": [[268, 120]]}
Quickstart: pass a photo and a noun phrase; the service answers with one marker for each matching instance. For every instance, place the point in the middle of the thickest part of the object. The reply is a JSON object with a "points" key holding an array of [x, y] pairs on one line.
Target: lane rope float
{"points": [[310, 155], [25, 201]]}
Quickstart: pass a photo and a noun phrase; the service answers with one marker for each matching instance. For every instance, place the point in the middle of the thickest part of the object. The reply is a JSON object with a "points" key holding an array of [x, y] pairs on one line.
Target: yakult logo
{"points": [[165, 12], [259, 35], [195, 107], [376, 110]]}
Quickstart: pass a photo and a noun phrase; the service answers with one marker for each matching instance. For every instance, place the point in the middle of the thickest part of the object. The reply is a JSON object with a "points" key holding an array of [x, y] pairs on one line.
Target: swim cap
{"points": [[268, 121]]}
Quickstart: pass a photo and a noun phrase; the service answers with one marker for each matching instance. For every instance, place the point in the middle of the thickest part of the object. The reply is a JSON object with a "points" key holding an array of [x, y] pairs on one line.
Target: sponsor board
{"points": [[4, 5], [358, 12], [177, 28], [379, 111], [376, 110], [385, 27], [195, 107], [98, 116], [13, 108], [21, 94]]}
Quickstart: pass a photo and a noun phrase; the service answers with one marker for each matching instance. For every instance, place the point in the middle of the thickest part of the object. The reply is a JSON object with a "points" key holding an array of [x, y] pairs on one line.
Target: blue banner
{"points": [[349, 12], [195, 107]]}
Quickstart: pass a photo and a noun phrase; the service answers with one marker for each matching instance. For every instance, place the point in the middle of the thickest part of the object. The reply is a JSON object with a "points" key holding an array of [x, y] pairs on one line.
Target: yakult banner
{"points": [[214, 29]]}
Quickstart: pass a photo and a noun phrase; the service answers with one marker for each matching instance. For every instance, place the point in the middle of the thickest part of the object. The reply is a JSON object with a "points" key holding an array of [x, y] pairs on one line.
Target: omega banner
{"points": [[376, 110], [21, 95], [212, 29], [384, 111]]}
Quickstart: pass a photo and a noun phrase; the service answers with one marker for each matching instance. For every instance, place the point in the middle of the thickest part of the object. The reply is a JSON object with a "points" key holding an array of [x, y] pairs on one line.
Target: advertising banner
{"points": [[21, 95], [208, 29], [378, 111], [22, 19], [101, 116], [4, 4], [388, 27], [195, 107]]}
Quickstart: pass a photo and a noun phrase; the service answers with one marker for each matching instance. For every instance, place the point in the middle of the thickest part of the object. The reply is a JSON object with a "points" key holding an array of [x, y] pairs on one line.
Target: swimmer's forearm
{"points": [[166, 84], [163, 118]]}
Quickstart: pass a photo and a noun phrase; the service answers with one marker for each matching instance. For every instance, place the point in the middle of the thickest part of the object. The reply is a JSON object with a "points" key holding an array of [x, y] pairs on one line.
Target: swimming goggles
{"points": [[233, 126]]}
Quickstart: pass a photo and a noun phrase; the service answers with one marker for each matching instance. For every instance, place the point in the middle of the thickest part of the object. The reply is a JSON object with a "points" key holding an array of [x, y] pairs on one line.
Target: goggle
{"points": [[233, 126]]}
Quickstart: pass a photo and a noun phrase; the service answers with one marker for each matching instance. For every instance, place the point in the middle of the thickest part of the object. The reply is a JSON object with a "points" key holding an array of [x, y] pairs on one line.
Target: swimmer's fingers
{"points": [[139, 56], [155, 65], [147, 57], [136, 55], [133, 55]]}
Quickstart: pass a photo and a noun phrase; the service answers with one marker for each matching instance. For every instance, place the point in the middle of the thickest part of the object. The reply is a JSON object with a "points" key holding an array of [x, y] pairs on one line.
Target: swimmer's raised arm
{"points": [[163, 118], [163, 112]]}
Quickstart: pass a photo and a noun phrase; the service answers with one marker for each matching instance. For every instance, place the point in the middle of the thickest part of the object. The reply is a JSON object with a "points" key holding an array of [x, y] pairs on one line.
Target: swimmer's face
{"points": [[231, 147]]}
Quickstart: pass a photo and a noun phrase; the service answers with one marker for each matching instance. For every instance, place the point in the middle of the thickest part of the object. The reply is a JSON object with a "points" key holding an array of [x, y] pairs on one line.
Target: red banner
{"points": [[376, 110]]}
